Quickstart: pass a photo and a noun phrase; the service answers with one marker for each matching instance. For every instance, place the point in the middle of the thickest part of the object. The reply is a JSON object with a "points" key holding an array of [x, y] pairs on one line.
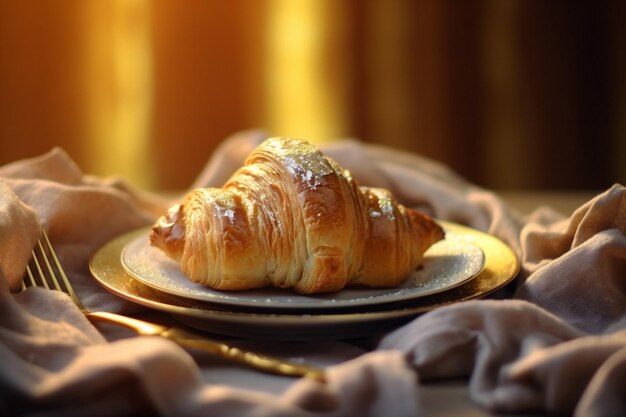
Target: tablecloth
{"points": [[555, 344]]}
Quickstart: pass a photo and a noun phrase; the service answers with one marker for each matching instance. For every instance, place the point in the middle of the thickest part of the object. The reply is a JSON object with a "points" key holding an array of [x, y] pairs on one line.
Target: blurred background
{"points": [[517, 94]]}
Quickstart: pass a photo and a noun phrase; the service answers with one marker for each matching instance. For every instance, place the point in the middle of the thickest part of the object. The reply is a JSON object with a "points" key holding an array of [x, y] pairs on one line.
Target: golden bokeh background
{"points": [[518, 94]]}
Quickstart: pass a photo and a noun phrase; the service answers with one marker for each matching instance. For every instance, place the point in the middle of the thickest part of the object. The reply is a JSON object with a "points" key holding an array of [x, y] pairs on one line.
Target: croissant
{"points": [[293, 218]]}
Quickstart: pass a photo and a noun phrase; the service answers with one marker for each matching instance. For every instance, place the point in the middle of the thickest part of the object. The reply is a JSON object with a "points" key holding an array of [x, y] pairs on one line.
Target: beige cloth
{"points": [[557, 345]]}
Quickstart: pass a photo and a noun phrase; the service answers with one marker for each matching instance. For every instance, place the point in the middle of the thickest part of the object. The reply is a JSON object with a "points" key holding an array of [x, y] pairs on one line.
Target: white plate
{"points": [[446, 265]]}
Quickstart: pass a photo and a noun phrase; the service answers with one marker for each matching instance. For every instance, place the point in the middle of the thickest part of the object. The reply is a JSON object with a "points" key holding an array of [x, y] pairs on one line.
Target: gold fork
{"points": [[46, 271]]}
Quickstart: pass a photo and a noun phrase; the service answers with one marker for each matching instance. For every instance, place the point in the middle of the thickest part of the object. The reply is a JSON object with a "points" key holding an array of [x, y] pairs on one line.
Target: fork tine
{"points": [[59, 278], [29, 273], [48, 265], [37, 278], [45, 270]]}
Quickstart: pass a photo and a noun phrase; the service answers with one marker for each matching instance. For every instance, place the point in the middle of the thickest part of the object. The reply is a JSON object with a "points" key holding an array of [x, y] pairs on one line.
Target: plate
{"points": [[447, 264], [501, 266]]}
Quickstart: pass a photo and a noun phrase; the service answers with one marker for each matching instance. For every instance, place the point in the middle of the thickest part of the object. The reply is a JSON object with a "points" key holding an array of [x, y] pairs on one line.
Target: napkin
{"points": [[554, 342]]}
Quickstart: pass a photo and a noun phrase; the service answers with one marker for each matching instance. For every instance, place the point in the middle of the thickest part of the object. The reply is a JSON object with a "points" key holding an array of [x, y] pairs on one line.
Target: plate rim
{"points": [[324, 304]]}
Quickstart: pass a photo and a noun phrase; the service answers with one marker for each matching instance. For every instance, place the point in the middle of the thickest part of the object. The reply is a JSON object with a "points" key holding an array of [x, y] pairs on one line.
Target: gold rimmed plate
{"points": [[499, 267]]}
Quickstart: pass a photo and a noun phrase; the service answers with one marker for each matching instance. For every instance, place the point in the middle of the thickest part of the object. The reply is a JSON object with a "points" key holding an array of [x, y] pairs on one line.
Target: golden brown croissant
{"points": [[292, 218]]}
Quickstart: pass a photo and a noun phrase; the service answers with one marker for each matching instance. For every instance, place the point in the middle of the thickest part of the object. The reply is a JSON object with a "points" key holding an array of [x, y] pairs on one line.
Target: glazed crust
{"points": [[293, 218]]}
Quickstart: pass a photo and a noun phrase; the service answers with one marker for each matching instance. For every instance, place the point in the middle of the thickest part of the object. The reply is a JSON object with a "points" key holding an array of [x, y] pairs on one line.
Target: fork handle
{"points": [[254, 360], [187, 339]]}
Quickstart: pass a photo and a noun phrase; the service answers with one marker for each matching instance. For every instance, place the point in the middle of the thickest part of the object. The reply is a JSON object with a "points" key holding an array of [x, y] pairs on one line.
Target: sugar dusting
{"points": [[222, 202], [385, 204], [302, 160]]}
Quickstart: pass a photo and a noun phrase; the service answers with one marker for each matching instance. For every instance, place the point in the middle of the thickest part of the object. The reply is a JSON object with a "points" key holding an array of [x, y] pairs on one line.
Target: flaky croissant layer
{"points": [[292, 218]]}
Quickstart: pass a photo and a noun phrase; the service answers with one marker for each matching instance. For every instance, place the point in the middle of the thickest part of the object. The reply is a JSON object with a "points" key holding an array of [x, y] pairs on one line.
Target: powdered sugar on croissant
{"points": [[292, 218]]}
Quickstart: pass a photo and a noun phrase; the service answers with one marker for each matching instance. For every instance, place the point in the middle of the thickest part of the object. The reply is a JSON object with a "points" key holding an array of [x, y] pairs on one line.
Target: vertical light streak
{"points": [[119, 89], [306, 75]]}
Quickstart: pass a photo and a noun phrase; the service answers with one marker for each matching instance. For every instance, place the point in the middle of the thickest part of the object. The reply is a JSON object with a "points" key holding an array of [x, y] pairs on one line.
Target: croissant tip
{"points": [[439, 232], [429, 225], [154, 236]]}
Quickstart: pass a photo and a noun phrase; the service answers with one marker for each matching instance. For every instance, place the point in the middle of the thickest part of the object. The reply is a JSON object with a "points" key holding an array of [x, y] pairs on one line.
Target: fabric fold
{"points": [[576, 267], [19, 230]]}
